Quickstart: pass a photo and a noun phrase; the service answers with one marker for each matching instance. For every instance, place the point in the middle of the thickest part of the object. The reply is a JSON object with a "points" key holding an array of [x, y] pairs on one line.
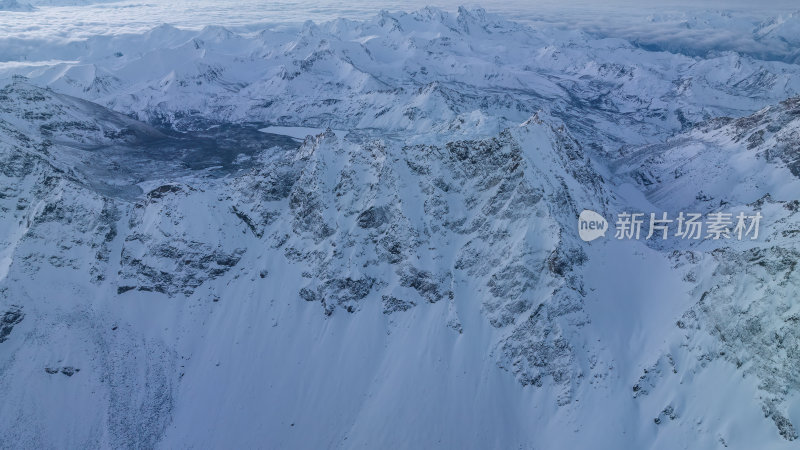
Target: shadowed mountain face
{"points": [[172, 277], [114, 153]]}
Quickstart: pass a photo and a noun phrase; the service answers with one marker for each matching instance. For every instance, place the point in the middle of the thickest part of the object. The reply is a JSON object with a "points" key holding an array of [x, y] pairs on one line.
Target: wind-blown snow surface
{"points": [[170, 276]]}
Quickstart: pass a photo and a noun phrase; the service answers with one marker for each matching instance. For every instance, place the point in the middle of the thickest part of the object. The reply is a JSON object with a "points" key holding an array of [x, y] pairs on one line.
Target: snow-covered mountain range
{"points": [[170, 276]]}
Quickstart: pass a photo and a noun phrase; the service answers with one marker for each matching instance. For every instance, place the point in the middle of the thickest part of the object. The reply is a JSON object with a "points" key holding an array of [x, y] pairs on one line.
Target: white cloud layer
{"points": [[770, 30]]}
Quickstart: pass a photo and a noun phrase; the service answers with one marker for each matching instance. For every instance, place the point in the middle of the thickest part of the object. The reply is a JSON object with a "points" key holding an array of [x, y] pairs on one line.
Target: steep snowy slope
{"points": [[325, 271], [172, 277], [745, 314]]}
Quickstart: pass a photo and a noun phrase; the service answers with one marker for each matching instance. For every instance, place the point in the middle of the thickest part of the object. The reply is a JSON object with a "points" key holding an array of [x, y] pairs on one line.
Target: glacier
{"points": [[362, 232]]}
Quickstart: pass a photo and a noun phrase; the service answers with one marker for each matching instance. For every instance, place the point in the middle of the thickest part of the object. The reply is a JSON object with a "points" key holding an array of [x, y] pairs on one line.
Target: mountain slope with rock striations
{"points": [[351, 224]]}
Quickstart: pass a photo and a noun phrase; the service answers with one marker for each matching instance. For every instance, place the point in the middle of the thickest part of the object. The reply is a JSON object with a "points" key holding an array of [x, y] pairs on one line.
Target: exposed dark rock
{"points": [[374, 217], [8, 320], [393, 304]]}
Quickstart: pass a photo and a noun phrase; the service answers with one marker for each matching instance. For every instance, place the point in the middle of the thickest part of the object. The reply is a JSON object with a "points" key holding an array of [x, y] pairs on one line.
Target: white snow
{"points": [[300, 133]]}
